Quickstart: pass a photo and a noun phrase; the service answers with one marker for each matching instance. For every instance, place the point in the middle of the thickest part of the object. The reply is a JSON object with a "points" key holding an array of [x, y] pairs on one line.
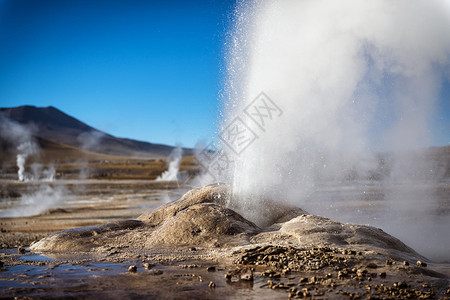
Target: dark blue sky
{"points": [[148, 70]]}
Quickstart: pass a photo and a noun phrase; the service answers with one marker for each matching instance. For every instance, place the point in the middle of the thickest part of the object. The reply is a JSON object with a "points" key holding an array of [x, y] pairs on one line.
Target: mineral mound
{"points": [[202, 218]]}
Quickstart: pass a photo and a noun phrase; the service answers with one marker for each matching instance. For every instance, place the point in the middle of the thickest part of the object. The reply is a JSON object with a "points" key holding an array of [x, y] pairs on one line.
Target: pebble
{"points": [[21, 250], [372, 265], [211, 269], [132, 268], [147, 266], [1, 264], [211, 285], [247, 276], [421, 263]]}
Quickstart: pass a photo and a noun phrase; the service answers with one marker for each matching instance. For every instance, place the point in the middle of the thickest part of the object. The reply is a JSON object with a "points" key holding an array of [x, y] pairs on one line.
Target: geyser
{"points": [[174, 160], [349, 79]]}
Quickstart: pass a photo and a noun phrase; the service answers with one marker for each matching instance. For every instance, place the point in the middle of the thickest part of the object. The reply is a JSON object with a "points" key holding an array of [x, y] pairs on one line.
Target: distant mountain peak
{"points": [[55, 125]]}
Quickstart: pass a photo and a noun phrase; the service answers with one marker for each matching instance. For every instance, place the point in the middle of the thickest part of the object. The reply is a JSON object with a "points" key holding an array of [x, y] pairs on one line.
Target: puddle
{"points": [[35, 257]]}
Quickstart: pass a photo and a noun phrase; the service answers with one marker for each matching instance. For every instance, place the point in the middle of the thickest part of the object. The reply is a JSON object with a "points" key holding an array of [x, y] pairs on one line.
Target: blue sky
{"points": [[148, 70]]}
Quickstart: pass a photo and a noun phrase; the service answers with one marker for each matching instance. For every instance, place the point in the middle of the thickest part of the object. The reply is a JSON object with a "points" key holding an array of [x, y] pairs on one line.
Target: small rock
{"points": [[21, 250], [247, 275], [132, 268], [211, 285], [421, 263], [405, 263], [383, 275], [372, 265], [211, 269], [193, 249], [401, 285], [147, 266], [1, 264]]}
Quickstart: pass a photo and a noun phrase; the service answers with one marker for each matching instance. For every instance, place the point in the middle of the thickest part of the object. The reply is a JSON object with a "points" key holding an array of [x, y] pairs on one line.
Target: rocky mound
{"points": [[201, 218]]}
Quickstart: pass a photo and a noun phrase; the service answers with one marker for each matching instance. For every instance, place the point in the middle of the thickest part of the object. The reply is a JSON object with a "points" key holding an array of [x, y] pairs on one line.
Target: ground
{"points": [[179, 259]]}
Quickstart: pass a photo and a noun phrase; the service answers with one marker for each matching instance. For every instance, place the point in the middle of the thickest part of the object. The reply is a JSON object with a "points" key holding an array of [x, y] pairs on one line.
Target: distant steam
{"points": [[174, 161], [34, 203], [352, 78], [19, 138], [90, 140]]}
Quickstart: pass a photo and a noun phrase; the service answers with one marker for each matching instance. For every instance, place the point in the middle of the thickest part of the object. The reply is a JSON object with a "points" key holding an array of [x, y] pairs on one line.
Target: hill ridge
{"points": [[55, 125]]}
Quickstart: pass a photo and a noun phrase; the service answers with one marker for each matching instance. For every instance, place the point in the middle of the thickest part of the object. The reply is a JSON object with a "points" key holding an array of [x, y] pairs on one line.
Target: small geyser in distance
{"points": [[353, 79], [174, 161]]}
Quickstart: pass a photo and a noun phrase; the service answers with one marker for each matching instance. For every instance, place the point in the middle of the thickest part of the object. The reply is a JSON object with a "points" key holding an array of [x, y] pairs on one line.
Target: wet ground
{"points": [[94, 202], [36, 276], [345, 276]]}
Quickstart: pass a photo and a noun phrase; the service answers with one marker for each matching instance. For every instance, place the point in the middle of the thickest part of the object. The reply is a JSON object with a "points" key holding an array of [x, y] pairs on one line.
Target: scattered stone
{"points": [[400, 285], [211, 285], [193, 249], [405, 263], [421, 264], [21, 250], [372, 265], [147, 265], [132, 269], [303, 280], [191, 266], [383, 275], [211, 269], [247, 275], [1, 264], [270, 273]]}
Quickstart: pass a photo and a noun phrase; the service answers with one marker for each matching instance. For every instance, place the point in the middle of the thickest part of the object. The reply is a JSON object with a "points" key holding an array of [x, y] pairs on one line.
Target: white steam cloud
{"points": [[34, 203], [174, 161], [18, 137], [90, 140], [350, 78]]}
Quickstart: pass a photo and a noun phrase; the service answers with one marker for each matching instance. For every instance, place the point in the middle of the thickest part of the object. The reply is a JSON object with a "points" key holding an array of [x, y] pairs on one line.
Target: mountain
{"points": [[52, 124]]}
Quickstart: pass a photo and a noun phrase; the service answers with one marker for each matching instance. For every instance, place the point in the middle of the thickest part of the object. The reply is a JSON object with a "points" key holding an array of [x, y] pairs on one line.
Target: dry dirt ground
{"points": [[199, 247]]}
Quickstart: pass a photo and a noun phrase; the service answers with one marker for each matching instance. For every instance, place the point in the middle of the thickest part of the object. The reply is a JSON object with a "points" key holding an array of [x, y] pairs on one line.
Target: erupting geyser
{"points": [[344, 80]]}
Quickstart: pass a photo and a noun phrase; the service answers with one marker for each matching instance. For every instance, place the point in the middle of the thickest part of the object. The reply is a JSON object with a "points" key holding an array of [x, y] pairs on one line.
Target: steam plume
{"points": [[351, 78], [18, 136], [174, 160]]}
